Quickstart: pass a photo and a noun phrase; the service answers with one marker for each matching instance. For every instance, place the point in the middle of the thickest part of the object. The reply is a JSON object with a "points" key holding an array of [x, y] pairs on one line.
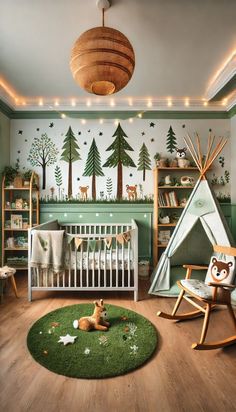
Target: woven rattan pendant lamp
{"points": [[102, 59]]}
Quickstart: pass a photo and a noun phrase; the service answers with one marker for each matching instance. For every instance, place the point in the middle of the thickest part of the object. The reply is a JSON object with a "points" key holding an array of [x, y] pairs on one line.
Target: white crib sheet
{"points": [[91, 259]]}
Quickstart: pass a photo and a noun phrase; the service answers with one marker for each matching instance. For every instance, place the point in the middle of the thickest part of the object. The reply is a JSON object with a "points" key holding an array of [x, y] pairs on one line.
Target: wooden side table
{"points": [[5, 273]]}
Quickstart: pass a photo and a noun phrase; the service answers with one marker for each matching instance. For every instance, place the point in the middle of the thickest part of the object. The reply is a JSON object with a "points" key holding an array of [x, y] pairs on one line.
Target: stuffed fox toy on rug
{"points": [[96, 321]]}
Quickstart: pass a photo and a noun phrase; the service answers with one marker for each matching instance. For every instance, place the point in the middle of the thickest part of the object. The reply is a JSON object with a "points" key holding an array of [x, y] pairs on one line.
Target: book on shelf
{"points": [[168, 199], [173, 199], [164, 236]]}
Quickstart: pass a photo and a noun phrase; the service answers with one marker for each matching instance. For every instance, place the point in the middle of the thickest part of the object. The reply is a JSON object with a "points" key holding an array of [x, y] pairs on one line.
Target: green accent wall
{"points": [[106, 213]]}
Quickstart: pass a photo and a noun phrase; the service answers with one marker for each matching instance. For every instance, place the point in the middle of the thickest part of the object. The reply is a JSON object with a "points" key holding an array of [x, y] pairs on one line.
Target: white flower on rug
{"points": [[67, 339], [134, 350], [132, 328], [87, 351], [103, 340]]}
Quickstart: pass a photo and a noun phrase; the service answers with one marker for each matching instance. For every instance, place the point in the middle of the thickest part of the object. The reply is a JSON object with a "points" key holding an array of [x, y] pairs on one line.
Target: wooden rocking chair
{"points": [[212, 293]]}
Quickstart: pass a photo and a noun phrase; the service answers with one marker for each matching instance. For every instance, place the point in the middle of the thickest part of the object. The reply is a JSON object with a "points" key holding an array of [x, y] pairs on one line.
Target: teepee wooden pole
{"points": [[209, 147], [219, 147], [192, 150], [199, 151]]}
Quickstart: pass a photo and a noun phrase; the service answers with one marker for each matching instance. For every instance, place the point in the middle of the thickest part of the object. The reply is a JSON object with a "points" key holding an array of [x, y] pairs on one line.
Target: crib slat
{"points": [[128, 257], [110, 255], [81, 265], [87, 267], [105, 259], [99, 258], [117, 261], [123, 261]]}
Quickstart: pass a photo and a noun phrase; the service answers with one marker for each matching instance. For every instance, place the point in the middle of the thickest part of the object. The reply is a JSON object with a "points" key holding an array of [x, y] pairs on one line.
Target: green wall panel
{"points": [[101, 213]]}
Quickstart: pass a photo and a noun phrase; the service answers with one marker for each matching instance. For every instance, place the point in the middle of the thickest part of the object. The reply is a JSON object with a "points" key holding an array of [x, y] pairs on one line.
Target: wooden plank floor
{"points": [[175, 379]]}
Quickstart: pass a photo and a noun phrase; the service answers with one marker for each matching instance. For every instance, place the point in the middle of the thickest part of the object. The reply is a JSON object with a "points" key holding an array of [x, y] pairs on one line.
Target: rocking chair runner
{"points": [[215, 291]]}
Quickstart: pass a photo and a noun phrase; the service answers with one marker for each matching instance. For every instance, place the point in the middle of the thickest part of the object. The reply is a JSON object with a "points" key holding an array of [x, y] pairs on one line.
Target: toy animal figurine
{"points": [[84, 192], [181, 157], [132, 192], [187, 181], [96, 321], [181, 153]]}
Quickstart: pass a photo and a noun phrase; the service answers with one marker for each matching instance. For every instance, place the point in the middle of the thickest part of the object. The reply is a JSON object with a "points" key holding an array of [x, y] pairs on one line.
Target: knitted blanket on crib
{"points": [[48, 250]]}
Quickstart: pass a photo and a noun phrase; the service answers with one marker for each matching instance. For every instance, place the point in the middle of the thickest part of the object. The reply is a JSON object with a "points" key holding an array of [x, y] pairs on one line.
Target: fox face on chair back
{"points": [[220, 270]]}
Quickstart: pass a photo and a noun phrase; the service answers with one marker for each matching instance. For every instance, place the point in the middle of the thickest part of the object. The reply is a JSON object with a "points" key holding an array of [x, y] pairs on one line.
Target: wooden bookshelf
{"points": [[29, 214], [179, 192]]}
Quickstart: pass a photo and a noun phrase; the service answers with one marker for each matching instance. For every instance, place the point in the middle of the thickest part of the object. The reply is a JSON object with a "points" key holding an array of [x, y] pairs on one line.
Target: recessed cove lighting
{"points": [[63, 116], [140, 115], [56, 103], [41, 102], [149, 103], [73, 102]]}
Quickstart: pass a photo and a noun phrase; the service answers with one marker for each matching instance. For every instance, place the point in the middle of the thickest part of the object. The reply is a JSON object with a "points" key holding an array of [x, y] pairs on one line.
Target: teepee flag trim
{"points": [[78, 242], [108, 241]]}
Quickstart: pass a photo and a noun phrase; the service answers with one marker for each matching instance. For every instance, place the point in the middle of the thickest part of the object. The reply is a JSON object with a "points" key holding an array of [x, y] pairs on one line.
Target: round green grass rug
{"points": [[129, 342]]}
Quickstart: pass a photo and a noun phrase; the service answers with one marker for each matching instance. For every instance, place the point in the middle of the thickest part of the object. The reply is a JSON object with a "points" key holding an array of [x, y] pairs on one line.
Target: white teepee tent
{"points": [[201, 224]]}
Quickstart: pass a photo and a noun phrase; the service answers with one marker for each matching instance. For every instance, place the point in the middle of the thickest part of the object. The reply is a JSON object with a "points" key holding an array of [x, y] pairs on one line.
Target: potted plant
{"points": [[27, 176], [160, 161], [10, 173]]}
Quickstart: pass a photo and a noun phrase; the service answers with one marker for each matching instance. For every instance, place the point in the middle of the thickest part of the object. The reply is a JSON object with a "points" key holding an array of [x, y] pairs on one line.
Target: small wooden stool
{"points": [[5, 273]]}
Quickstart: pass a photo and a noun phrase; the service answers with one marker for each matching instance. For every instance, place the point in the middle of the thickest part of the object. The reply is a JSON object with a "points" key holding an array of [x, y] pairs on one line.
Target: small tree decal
{"points": [[109, 187], [171, 143], [58, 179], [144, 161], [43, 153], [70, 154], [93, 166], [119, 157]]}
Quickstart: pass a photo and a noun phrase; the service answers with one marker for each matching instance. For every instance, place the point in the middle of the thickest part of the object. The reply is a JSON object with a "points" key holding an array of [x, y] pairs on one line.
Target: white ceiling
{"points": [[179, 46]]}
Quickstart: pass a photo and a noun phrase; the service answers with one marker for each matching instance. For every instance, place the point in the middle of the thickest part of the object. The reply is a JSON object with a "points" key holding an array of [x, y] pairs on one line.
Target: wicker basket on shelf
{"points": [[18, 181]]}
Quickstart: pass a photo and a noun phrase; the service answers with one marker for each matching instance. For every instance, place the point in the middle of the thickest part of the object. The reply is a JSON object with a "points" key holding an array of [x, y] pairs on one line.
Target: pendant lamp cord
{"points": [[103, 11]]}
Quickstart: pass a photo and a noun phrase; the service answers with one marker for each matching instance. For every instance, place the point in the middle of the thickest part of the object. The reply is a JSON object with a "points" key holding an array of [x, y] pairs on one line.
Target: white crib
{"points": [[114, 268]]}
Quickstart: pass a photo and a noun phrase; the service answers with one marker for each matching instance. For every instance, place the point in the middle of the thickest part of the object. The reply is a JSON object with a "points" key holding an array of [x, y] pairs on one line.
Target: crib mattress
{"points": [[103, 260]]}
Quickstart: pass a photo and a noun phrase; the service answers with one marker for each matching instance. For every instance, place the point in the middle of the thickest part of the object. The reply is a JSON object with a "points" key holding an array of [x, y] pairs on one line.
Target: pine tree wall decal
{"points": [[58, 179], [109, 187], [119, 157], [171, 143], [70, 154], [144, 161], [93, 166], [43, 153]]}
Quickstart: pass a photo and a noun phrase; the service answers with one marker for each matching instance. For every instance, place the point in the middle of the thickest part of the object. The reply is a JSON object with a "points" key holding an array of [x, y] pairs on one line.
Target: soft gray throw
{"points": [[48, 249]]}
